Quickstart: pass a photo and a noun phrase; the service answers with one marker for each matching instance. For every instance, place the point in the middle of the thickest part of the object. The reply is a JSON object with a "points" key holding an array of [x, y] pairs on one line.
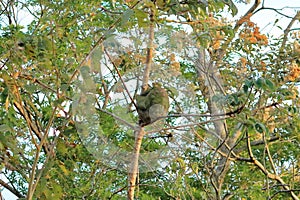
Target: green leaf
{"points": [[245, 88], [259, 127], [64, 87], [293, 109], [173, 91], [231, 6], [141, 16], [228, 30], [270, 85], [233, 99], [31, 88], [64, 169], [247, 84], [259, 83], [1, 148], [126, 16], [4, 128]]}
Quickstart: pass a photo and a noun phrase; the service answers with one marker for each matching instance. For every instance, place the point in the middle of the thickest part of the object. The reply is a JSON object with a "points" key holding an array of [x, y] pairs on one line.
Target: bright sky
{"points": [[265, 20]]}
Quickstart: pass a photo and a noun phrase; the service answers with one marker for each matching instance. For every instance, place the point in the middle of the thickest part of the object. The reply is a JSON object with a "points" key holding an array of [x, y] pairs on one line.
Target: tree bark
{"points": [[211, 85], [133, 169]]}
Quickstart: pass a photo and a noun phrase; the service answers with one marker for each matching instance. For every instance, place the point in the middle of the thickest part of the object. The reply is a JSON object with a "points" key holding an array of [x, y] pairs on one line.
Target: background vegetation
{"points": [[69, 75]]}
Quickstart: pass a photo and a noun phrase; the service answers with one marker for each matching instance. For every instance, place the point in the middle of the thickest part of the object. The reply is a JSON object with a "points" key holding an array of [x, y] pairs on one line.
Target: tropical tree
{"points": [[85, 86]]}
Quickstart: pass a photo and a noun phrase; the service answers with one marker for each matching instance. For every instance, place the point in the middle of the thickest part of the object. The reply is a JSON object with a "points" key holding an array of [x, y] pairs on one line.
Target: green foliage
{"points": [[41, 152]]}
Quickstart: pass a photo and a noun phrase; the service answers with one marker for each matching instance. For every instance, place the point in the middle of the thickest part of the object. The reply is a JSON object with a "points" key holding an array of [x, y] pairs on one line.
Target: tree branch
{"points": [[247, 15], [266, 172], [149, 53], [124, 85], [133, 170], [11, 189], [132, 175], [288, 29]]}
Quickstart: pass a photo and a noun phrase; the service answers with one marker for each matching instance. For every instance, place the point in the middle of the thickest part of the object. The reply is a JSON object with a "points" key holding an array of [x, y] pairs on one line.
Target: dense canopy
{"points": [[76, 77]]}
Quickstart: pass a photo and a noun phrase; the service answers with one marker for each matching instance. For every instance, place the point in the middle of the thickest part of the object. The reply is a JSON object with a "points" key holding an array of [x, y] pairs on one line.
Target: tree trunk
{"points": [[210, 82]]}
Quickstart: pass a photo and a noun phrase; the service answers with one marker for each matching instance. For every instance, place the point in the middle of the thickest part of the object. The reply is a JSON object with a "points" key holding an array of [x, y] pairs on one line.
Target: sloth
{"points": [[152, 104]]}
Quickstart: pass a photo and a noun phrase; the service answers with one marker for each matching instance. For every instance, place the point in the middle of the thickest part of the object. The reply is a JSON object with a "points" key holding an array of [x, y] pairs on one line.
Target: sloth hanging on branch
{"points": [[152, 104]]}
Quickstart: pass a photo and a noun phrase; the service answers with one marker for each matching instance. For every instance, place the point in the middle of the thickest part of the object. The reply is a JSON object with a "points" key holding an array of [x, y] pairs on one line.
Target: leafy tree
{"points": [[71, 75]]}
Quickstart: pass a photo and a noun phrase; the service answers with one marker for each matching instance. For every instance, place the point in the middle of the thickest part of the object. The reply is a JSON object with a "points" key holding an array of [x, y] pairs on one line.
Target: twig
{"points": [[288, 29], [248, 13], [97, 43], [191, 124], [116, 192], [34, 178], [266, 172], [269, 153], [124, 85], [117, 117], [273, 9]]}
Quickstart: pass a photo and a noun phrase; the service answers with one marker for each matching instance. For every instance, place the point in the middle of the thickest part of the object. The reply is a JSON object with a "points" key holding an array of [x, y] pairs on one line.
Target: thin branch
{"points": [[11, 189], [149, 53], [288, 29], [238, 25], [117, 117], [4, 64], [212, 147], [118, 72], [269, 154], [109, 11], [266, 172], [14, 167], [34, 178], [191, 124], [273, 9], [97, 43], [106, 92], [33, 129], [116, 192], [247, 15], [280, 191], [258, 142]]}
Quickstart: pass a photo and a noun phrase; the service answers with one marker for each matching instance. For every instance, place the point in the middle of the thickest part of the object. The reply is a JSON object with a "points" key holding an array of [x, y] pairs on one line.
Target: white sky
{"points": [[265, 18]]}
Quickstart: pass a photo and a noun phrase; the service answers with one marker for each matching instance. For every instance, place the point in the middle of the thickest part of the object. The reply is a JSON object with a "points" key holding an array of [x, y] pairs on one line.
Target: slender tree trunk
{"points": [[149, 53], [211, 85], [133, 170]]}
